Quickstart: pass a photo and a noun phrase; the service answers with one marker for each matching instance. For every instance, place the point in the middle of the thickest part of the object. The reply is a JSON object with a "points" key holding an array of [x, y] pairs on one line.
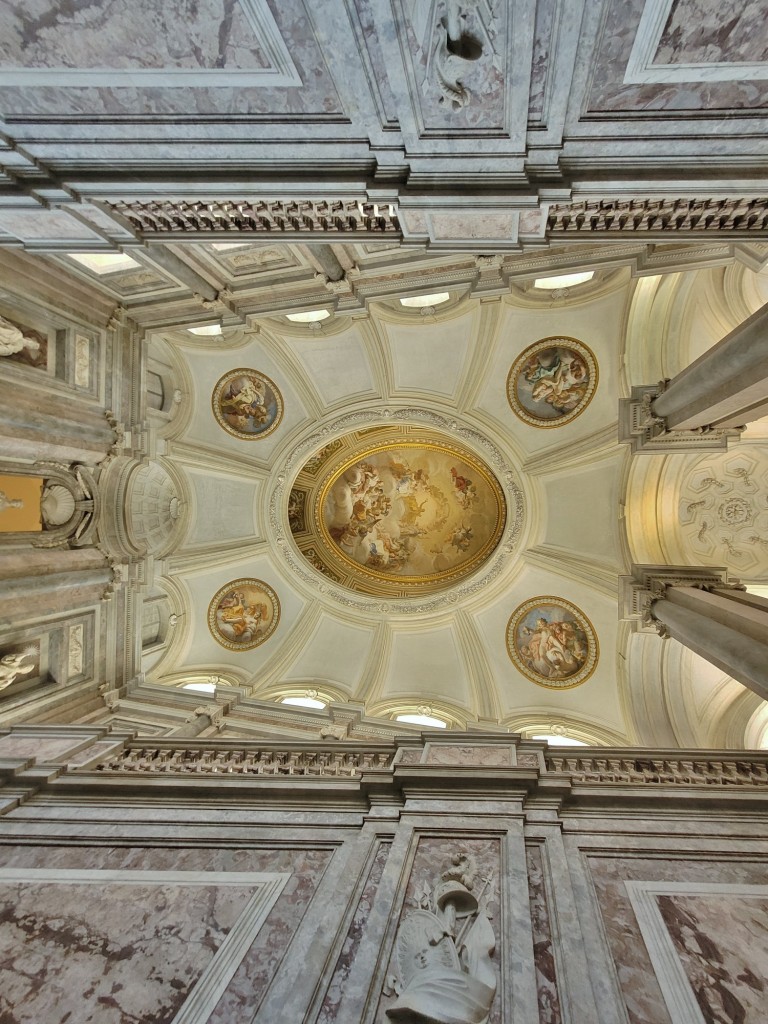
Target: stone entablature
{"points": [[338, 760]]}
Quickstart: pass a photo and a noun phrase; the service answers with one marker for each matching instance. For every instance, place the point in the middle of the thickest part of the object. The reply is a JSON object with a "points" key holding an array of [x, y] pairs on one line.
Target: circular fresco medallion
{"points": [[243, 614], [394, 512], [552, 381], [247, 404], [552, 642]]}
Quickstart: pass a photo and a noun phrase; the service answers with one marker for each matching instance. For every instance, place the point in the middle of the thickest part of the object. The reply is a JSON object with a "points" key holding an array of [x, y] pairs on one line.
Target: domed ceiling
{"points": [[429, 512], [395, 511]]}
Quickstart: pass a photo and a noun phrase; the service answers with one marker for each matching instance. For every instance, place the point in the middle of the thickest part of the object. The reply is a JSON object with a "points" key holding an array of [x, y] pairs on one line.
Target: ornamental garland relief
{"points": [[723, 511], [552, 381]]}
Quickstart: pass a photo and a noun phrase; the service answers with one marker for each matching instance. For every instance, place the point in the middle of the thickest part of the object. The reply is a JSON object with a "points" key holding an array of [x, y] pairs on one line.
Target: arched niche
{"points": [[55, 505]]}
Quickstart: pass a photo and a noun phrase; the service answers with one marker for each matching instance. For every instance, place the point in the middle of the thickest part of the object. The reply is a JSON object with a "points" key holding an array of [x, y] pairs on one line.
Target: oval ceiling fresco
{"points": [[396, 510]]}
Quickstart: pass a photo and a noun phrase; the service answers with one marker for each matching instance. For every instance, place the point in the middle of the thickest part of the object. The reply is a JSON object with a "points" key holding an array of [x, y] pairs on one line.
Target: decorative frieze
{"points": [[655, 771], [335, 216], [659, 216], [336, 763]]}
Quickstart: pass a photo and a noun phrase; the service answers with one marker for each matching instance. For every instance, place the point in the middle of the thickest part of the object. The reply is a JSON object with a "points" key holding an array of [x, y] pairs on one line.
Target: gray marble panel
{"points": [[709, 948], [112, 947], [638, 981], [541, 69], [711, 31], [114, 57], [543, 943], [610, 91]]}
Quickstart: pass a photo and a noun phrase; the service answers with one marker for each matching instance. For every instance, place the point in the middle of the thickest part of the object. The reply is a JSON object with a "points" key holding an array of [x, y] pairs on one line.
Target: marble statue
{"points": [[6, 502], [443, 954], [12, 666], [12, 340]]}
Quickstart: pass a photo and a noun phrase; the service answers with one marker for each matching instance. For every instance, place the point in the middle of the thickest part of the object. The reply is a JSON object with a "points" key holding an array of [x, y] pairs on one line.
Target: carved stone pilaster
{"points": [[646, 432], [648, 583]]}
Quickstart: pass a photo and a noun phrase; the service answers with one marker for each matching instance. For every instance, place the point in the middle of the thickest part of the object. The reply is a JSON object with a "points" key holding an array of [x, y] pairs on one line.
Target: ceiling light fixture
{"points": [[310, 316], [211, 329], [559, 741], [419, 301], [551, 284], [428, 720], [104, 262], [304, 702]]}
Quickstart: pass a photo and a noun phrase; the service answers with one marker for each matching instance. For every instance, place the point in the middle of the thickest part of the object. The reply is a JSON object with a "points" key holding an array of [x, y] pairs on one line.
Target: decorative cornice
{"points": [[664, 216], [661, 771], [247, 761], [294, 217]]}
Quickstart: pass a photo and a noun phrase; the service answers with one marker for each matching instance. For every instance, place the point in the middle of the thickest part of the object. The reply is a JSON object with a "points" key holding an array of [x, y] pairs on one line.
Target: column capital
{"points": [[649, 583], [646, 432]]}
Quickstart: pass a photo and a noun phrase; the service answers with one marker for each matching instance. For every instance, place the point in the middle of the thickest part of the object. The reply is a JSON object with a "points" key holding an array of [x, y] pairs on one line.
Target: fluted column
{"points": [[725, 387]]}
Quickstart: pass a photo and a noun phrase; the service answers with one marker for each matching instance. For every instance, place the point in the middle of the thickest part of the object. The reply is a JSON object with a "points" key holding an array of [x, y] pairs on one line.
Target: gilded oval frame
{"points": [[582, 674], [556, 340], [230, 588], [342, 562], [220, 416]]}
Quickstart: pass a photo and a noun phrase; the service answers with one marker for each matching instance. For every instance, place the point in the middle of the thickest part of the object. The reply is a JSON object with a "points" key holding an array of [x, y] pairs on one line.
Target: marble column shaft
{"points": [[728, 628], [45, 425], [50, 583], [725, 387]]}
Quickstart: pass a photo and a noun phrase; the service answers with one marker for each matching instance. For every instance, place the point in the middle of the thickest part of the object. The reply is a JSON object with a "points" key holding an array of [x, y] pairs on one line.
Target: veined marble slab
{"points": [[104, 946]]}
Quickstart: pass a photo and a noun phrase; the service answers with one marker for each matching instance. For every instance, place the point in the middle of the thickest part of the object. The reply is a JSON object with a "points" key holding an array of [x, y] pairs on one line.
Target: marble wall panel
{"points": [[543, 941], [249, 982], [468, 754], [542, 51], [608, 92], [117, 36], [328, 1011], [47, 749], [722, 942], [432, 856], [107, 952], [135, 34], [637, 980], [700, 31]]}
